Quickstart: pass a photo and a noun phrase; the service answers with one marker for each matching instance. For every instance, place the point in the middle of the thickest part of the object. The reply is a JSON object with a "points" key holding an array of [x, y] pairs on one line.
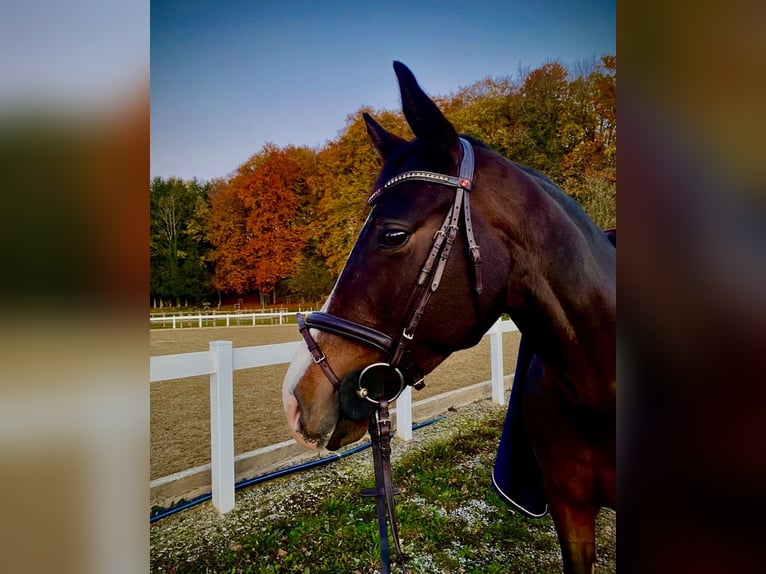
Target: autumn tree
{"points": [[490, 111], [589, 169], [253, 222], [557, 120], [226, 232], [544, 99], [346, 170]]}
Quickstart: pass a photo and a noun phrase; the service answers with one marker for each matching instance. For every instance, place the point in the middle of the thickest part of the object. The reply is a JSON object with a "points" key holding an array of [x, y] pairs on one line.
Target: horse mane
{"points": [[567, 203]]}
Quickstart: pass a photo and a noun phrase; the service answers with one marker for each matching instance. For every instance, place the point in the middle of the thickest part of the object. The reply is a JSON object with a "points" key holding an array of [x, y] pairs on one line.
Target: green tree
{"points": [[177, 240], [312, 280]]}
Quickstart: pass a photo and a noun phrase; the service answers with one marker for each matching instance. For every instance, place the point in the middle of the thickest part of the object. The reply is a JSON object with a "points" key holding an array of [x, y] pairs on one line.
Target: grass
{"points": [[450, 520]]}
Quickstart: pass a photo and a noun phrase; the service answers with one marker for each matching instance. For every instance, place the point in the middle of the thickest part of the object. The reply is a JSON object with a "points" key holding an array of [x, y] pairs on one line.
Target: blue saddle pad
{"points": [[516, 476]]}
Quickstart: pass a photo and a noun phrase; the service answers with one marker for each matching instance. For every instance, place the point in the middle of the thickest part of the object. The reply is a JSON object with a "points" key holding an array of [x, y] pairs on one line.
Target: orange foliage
{"points": [[253, 225], [226, 233]]}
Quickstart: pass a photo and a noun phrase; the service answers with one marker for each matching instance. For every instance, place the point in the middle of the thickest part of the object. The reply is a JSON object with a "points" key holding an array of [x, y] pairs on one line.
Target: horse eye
{"points": [[394, 237]]}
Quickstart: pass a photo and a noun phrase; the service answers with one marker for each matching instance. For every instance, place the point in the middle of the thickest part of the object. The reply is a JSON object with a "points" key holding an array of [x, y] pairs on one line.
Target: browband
{"points": [[463, 179]]}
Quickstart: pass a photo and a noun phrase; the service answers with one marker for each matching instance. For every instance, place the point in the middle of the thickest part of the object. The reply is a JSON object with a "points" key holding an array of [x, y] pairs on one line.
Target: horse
{"points": [[402, 305]]}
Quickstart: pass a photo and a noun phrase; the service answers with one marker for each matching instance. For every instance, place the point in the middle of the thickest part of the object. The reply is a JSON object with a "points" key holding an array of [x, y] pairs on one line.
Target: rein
{"points": [[384, 491], [369, 390]]}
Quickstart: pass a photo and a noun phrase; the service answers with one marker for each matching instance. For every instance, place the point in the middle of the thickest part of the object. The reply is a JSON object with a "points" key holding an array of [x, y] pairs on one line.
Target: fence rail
{"points": [[214, 319], [222, 360]]}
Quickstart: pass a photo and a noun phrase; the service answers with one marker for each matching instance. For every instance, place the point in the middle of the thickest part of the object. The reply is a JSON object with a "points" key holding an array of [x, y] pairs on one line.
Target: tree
{"points": [[544, 96], [589, 169], [346, 170], [253, 225], [177, 241], [226, 232], [311, 280], [489, 110]]}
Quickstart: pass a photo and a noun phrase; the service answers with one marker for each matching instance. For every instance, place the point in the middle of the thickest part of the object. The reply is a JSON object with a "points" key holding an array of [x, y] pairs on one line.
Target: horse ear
{"points": [[425, 118], [384, 141]]}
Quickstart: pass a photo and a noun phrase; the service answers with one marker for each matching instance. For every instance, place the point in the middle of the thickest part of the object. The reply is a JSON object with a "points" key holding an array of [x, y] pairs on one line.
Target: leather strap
{"points": [[351, 330], [429, 176], [317, 354], [451, 235], [466, 172], [380, 433]]}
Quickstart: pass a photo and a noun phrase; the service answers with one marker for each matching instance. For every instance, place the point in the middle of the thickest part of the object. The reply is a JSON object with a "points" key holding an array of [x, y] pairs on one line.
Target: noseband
{"points": [[398, 352]]}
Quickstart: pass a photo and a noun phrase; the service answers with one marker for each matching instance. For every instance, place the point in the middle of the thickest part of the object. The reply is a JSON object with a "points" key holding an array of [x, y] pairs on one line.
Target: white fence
{"points": [[214, 319], [222, 360]]}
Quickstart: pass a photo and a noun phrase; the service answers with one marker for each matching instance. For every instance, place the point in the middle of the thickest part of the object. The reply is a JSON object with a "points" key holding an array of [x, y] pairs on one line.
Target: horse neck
{"points": [[561, 284]]}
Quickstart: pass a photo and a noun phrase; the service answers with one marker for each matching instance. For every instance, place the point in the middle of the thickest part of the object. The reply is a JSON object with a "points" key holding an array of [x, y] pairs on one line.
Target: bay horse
{"points": [[402, 305]]}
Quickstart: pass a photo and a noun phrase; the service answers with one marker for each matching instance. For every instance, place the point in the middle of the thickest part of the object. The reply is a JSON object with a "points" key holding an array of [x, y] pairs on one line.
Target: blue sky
{"points": [[229, 76]]}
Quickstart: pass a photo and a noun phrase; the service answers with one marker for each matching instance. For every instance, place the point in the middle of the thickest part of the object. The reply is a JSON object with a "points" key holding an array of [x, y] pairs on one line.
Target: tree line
{"points": [[282, 224]]}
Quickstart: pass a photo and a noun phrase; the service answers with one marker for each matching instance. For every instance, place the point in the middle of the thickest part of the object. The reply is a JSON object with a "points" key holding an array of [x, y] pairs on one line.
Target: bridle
{"points": [[397, 349]]}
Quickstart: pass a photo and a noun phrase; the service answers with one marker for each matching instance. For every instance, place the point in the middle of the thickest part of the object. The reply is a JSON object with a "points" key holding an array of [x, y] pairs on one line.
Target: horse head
{"points": [[388, 280]]}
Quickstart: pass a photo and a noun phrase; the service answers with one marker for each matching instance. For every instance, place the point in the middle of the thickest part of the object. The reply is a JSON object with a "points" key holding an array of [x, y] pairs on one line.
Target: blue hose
{"points": [[278, 473]]}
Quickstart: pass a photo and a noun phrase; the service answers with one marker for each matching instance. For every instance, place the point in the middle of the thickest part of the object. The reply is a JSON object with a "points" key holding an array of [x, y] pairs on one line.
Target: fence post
{"points": [[404, 414], [496, 360], [222, 425]]}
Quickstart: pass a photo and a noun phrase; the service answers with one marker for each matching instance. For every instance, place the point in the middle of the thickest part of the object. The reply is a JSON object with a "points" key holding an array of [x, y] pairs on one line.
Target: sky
{"points": [[229, 76]]}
